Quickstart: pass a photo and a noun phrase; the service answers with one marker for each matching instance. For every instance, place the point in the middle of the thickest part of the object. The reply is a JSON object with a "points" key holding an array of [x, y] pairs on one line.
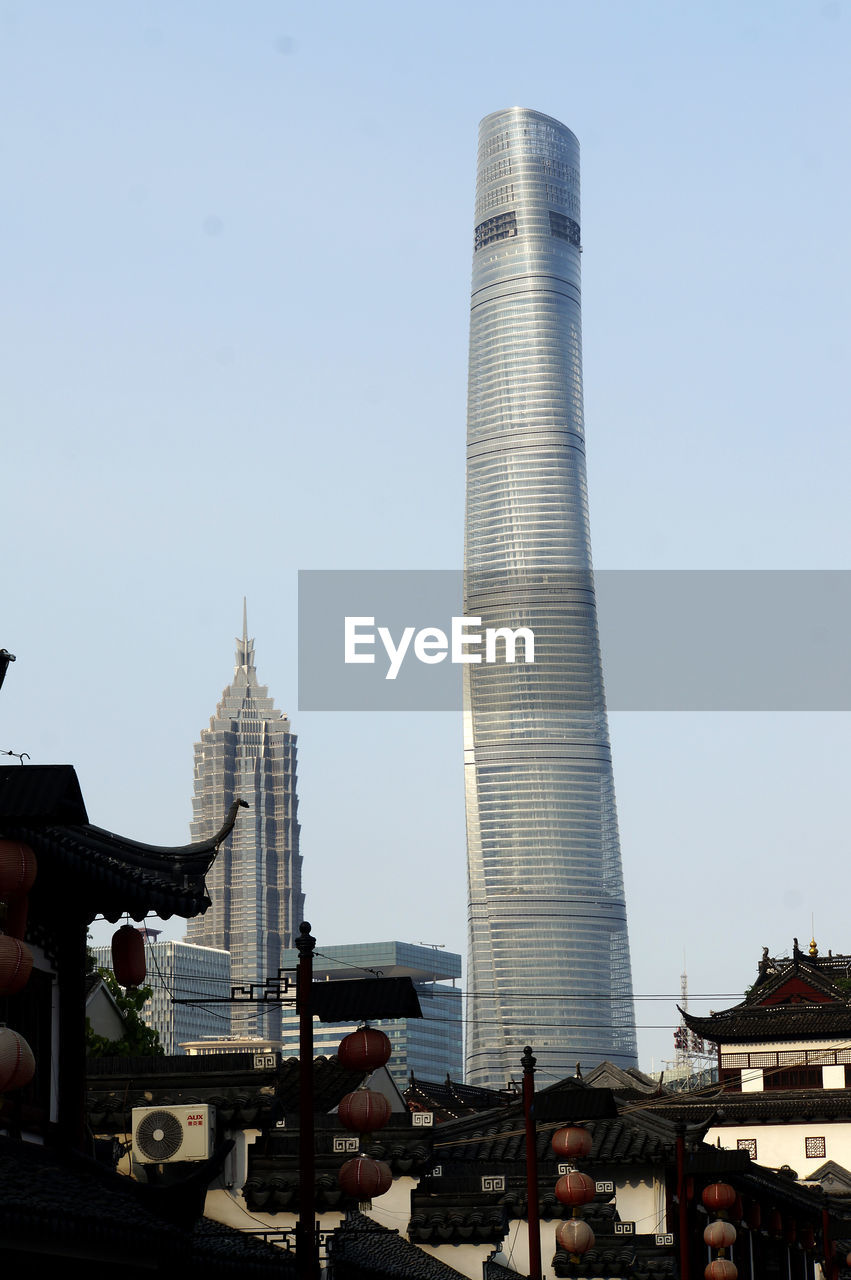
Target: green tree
{"points": [[139, 1040]]}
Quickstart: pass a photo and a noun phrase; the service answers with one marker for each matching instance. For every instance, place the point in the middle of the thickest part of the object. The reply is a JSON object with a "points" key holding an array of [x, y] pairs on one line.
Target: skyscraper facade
{"points": [[549, 958], [249, 753]]}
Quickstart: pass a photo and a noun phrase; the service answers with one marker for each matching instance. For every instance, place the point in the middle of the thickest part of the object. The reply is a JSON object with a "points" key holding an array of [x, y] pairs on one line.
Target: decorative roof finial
{"points": [[813, 948]]}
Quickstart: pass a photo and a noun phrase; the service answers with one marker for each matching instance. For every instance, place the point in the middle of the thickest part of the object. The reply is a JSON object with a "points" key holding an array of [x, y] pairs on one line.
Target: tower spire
{"points": [[244, 646]]}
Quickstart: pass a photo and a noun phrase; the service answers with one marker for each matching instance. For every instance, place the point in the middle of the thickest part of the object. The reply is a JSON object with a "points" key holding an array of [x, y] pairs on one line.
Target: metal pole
{"points": [[307, 1259], [532, 1216]]}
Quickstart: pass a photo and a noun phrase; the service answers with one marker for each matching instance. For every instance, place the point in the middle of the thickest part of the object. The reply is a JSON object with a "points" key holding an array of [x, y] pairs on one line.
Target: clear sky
{"points": [[237, 244]]}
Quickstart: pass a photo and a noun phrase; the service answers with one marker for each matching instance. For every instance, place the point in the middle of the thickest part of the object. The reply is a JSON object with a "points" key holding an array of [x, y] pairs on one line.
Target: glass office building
{"points": [[549, 958], [249, 753], [431, 1046]]}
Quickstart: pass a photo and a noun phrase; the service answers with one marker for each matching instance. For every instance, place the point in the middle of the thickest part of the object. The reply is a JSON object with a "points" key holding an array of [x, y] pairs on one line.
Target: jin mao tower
{"points": [[249, 753], [548, 948]]}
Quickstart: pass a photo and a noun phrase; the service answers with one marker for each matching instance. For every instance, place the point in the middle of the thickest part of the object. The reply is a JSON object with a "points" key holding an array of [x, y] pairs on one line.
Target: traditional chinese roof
{"points": [[83, 867], [244, 1096], [631, 1137], [610, 1259], [745, 1024], [607, 1075], [449, 1100], [797, 997], [56, 1204], [272, 1184], [774, 1106], [362, 1249]]}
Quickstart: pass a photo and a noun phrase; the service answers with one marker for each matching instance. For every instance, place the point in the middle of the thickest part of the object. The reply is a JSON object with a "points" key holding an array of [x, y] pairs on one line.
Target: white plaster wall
{"points": [[466, 1258], [393, 1209], [778, 1144], [230, 1208], [782, 1046], [753, 1080], [641, 1200]]}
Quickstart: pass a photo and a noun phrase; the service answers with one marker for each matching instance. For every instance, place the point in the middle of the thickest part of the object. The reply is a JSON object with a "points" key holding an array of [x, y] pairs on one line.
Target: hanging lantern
{"points": [[754, 1217], [364, 1110], [364, 1179], [17, 1064], [16, 963], [808, 1237], [721, 1269], [17, 867], [575, 1236], [128, 956], [848, 1259], [14, 915], [718, 1196], [364, 1050], [575, 1189], [775, 1222], [720, 1234], [572, 1142]]}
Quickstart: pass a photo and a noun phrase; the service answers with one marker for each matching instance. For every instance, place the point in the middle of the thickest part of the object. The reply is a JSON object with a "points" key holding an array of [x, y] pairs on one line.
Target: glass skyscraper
{"points": [[249, 753], [549, 958]]}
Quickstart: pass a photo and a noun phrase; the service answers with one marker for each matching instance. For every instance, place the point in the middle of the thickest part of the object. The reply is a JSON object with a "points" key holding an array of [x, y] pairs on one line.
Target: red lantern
{"points": [[848, 1259], [808, 1238], [721, 1269], [718, 1196], [17, 1064], [754, 1218], [575, 1188], [16, 964], [364, 1050], [364, 1110], [17, 867], [15, 918], [775, 1222], [364, 1179], [720, 1234], [128, 956], [572, 1142], [575, 1236]]}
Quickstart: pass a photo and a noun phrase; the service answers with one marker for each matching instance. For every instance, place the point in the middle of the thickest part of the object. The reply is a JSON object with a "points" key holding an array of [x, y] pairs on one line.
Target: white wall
{"points": [[780, 1144]]}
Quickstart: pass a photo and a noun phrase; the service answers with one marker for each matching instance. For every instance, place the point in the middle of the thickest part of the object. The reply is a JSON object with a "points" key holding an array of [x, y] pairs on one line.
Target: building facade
{"points": [[784, 1065], [431, 1046], [549, 960], [249, 753], [181, 971]]}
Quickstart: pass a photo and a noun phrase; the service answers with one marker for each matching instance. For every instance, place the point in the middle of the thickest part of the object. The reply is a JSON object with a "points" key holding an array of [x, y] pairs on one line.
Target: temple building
{"points": [[784, 1059]]}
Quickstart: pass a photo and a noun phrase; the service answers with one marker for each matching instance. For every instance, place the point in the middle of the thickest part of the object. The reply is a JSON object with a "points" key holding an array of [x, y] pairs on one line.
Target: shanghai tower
{"points": [[548, 958]]}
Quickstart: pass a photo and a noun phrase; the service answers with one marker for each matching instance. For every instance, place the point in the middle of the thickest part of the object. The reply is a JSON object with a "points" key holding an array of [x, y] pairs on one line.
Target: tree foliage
{"points": [[139, 1040]]}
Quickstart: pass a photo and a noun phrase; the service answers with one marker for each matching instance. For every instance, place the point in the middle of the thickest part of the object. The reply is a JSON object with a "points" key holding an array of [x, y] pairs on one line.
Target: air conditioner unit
{"points": [[165, 1135]]}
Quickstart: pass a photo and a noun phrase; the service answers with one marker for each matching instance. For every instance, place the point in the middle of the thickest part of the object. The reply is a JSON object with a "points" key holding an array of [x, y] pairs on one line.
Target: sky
{"points": [[233, 342]]}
